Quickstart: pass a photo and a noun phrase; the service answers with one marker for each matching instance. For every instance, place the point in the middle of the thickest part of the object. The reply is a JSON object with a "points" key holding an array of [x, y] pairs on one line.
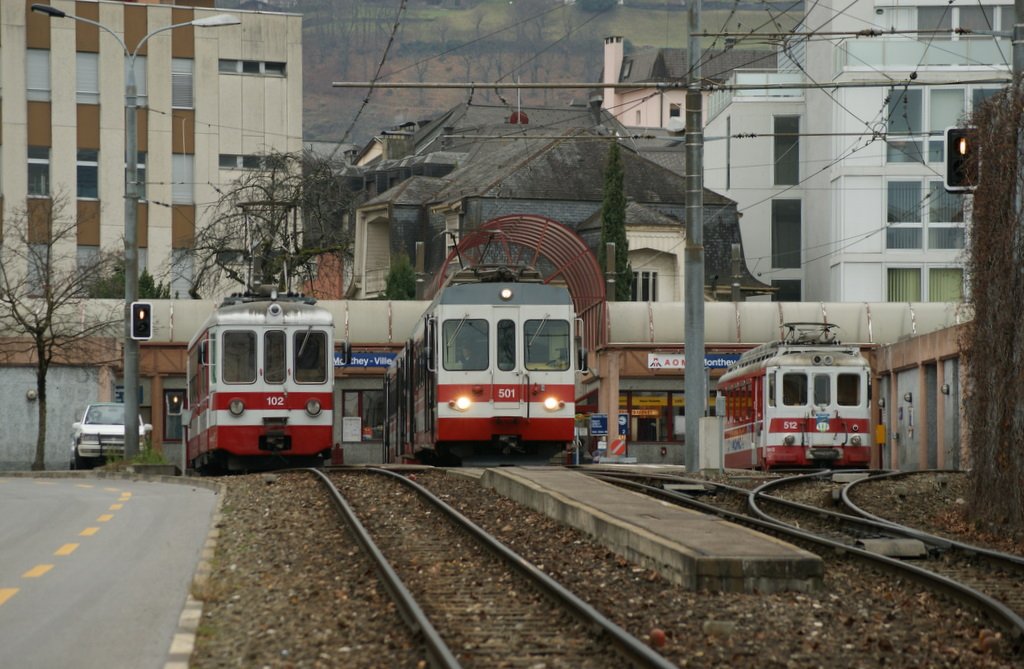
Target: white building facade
{"points": [[866, 209], [210, 100]]}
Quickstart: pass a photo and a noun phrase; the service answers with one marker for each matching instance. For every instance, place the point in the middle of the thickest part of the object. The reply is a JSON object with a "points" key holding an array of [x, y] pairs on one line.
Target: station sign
{"points": [[599, 424], [678, 360], [366, 360]]}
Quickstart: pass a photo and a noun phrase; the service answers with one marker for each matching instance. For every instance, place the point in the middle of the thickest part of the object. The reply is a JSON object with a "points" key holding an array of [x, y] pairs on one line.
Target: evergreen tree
{"points": [[613, 226], [401, 283]]}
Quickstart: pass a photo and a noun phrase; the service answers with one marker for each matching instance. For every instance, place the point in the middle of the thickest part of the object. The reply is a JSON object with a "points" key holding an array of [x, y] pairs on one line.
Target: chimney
{"points": [[612, 67]]}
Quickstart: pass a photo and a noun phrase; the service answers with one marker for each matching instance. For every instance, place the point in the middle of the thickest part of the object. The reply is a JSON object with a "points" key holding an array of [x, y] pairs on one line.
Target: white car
{"points": [[100, 434]]}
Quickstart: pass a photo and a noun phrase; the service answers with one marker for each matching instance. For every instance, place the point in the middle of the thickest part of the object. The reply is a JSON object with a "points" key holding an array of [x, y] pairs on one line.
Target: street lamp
{"points": [[131, 200]]}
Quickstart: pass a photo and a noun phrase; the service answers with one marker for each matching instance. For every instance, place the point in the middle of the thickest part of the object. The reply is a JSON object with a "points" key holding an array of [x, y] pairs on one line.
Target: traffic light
{"points": [[960, 159], [142, 320]]}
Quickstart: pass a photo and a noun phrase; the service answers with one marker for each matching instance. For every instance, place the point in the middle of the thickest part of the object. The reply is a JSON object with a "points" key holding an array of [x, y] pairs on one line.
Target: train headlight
{"points": [[855, 440], [313, 407], [505, 294], [789, 440], [236, 406], [460, 403], [553, 404]]}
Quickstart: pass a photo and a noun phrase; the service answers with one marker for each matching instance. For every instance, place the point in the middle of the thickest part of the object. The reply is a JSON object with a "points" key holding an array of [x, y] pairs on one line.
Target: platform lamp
{"points": [[131, 200]]}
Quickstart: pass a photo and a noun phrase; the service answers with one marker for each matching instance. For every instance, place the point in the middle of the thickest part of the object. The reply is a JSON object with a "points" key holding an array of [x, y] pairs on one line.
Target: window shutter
{"points": [[88, 78], [38, 75], [181, 83]]}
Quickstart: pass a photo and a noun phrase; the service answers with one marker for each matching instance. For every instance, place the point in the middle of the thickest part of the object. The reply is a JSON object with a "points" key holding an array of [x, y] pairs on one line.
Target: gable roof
{"points": [[567, 168], [670, 64]]}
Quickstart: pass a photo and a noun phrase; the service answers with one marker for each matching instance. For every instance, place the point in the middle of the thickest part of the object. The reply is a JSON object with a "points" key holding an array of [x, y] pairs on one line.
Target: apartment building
{"points": [[840, 180], [210, 100]]}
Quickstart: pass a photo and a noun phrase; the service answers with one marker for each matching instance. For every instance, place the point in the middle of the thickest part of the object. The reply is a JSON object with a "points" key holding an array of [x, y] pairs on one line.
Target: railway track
{"points": [[984, 580], [471, 600]]}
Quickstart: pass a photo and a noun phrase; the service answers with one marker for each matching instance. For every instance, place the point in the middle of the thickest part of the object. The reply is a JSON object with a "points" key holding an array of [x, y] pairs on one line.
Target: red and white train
{"points": [[260, 386], [488, 375], [803, 401]]}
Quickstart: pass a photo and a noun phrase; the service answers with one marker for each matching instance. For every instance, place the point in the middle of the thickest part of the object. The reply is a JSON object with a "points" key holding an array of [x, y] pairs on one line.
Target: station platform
{"points": [[696, 550]]}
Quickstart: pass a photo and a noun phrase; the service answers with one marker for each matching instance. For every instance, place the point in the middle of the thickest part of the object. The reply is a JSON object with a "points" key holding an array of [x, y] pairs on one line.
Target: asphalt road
{"points": [[94, 573]]}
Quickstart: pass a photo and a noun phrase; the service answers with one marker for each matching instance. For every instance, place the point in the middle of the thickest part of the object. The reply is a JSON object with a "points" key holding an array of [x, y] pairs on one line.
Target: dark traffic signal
{"points": [[960, 160], [142, 320]]}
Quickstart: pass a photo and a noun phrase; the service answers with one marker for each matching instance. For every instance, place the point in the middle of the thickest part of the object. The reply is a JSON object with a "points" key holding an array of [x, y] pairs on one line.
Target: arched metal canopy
{"points": [[526, 242]]}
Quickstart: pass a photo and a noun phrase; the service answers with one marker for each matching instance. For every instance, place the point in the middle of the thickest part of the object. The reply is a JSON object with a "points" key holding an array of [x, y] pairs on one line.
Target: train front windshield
{"points": [[241, 352], [546, 344], [796, 387]]}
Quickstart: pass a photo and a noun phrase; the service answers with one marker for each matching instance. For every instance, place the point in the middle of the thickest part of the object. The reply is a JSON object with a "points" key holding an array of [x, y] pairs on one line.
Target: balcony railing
{"points": [[896, 53], [721, 99]]}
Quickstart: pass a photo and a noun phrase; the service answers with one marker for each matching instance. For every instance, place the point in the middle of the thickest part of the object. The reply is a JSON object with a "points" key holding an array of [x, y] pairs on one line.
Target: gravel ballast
{"points": [[289, 588]]}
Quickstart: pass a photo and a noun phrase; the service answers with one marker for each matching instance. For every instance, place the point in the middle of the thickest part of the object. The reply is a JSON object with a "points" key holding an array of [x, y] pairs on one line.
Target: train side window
{"points": [[823, 389], [848, 390], [310, 357], [506, 345], [239, 359], [771, 389], [794, 389], [275, 357]]}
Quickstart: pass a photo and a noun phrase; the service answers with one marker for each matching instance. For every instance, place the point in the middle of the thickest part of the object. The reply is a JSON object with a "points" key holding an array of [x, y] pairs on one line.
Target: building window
{"points": [[645, 286], [268, 68], [182, 177], [786, 234], [787, 150], [945, 284], [87, 79], [233, 161], [675, 110], [181, 273], [39, 171], [174, 401], [904, 284], [181, 83], [88, 174], [140, 176], [37, 73], [905, 119], [638, 117], [368, 407], [654, 415], [903, 215], [141, 84], [908, 214], [787, 290], [946, 108]]}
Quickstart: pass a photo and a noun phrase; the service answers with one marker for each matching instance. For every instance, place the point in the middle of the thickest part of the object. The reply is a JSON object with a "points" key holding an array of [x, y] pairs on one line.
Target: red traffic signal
{"points": [[142, 320], [961, 161]]}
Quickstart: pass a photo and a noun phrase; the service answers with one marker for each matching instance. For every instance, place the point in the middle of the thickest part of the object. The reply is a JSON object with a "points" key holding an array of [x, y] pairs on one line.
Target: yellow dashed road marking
{"points": [[104, 518], [37, 571], [6, 593], [88, 532], [116, 507], [125, 497], [84, 485], [112, 489], [66, 549]]}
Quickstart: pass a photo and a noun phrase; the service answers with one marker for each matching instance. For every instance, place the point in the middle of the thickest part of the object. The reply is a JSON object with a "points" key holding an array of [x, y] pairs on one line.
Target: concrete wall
{"points": [[69, 389]]}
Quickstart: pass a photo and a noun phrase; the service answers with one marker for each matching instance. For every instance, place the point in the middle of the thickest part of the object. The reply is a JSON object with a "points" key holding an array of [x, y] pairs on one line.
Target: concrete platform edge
{"points": [[673, 560]]}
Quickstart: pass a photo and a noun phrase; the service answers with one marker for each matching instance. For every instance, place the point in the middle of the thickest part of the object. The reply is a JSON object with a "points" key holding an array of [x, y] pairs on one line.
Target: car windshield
{"points": [[105, 415]]}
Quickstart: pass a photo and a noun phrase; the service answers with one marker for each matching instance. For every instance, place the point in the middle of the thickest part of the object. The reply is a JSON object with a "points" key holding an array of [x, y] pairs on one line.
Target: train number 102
{"points": [[275, 401]]}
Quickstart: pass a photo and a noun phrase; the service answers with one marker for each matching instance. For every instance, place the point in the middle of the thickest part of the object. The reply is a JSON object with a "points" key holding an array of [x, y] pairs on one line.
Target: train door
{"points": [[507, 378]]}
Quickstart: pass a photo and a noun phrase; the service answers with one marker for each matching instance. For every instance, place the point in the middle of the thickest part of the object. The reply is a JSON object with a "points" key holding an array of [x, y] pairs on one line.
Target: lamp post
{"points": [[131, 201]]}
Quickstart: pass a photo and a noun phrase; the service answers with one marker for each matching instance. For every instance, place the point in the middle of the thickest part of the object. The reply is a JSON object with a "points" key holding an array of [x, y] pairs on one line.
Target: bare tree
{"points": [[44, 286], [273, 224]]}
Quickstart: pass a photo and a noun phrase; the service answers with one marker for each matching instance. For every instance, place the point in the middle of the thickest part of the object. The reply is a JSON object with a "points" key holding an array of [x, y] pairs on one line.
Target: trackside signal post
{"points": [[959, 147]]}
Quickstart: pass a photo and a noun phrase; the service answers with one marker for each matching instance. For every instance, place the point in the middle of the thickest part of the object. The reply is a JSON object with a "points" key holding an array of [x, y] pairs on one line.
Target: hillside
{"points": [[477, 41]]}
